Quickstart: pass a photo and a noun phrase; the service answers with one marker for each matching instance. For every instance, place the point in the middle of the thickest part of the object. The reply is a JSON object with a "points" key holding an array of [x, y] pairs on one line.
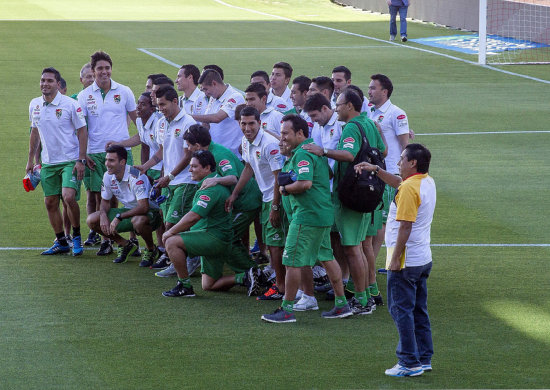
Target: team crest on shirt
{"points": [[380, 118], [117, 99], [58, 113], [37, 107], [177, 132], [264, 125], [331, 132], [152, 137], [258, 155]]}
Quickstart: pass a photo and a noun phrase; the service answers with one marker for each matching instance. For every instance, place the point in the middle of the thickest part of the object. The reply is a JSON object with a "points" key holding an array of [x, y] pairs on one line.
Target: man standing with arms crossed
{"points": [[58, 124], [106, 105], [410, 258]]}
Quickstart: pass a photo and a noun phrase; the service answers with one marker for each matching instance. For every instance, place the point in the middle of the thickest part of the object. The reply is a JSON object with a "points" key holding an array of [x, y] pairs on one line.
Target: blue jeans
{"points": [[402, 20], [408, 306]]}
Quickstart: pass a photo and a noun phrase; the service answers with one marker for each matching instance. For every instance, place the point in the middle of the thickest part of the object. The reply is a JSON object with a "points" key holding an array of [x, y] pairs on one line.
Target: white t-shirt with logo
{"points": [[134, 186], [148, 135], [196, 103], [271, 120]]}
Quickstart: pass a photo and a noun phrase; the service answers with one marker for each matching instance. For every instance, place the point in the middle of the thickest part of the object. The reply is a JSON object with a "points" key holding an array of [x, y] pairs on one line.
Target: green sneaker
{"points": [[148, 257], [123, 252]]}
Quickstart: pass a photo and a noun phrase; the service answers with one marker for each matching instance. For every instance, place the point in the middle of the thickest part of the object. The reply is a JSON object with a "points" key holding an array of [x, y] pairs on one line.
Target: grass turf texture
{"points": [[86, 323]]}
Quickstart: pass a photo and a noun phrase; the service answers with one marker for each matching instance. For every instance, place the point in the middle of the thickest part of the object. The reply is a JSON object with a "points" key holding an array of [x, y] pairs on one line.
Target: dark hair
{"points": [[62, 83], [384, 81], [344, 70], [357, 90], [205, 158], [197, 134], [192, 70], [155, 76], [422, 156], [168, 92], [148, 96], [163, 81], [316, 103], [214, 67], [352, 97], [287, 69], [121, 152], [303, 83], [257, 88], [298, 123], [55, 72], [100, 56], [238, 111], [323, 83], [209, 76], [250, 111], [260, 73]]}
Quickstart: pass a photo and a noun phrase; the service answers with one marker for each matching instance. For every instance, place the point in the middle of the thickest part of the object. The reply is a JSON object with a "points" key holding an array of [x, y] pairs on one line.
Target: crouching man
{"points": [[138, 214], [206, 231]]}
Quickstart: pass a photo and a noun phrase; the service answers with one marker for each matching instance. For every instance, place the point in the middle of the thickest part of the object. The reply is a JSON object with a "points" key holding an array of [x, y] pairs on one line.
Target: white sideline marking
{"points": [[489, 132], [384, 41], [159, 58], [266, 48], [23, 248]]}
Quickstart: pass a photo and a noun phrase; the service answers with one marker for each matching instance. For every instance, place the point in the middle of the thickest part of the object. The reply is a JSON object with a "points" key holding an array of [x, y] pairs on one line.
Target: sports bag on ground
{"points": [[362, 192]]}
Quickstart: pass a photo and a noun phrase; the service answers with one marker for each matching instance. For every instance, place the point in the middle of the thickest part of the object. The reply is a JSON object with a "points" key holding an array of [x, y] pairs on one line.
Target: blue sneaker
{"points": [[56, 249], [279, 316], [77, 246], [255, 248], [382, 271], [400, 371], [427, 367]]}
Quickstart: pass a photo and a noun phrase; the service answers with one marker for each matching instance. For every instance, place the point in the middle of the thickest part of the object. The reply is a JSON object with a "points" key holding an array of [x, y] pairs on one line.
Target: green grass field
{"points": [[86, 323]]}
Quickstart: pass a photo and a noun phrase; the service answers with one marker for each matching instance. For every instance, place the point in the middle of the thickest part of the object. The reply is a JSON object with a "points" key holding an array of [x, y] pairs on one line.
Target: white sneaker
{"points": [[400, 371], [392, 38], [299, 295], [306, 303], [193, 263], [318, 272], [167, 272]]}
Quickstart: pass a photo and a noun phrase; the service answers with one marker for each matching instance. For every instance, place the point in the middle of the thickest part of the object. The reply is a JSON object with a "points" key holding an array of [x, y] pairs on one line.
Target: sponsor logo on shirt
{"points": [[202, 204], [37, 107], [303, 163], [258, 155], [402, 116], [226, 168], [139, 182], [58, 113], [281, 105], [310, 124], [303, 170], [117, 99], [79, 109], [232, 101], [223, 162], [348, 146], [349, 139], [204, 197], [274, 152]]}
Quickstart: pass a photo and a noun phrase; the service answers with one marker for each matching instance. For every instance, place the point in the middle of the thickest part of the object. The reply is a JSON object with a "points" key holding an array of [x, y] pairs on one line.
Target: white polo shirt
{"points": [[328, 136], [228, 132], [286, 98], [271, 120], [148, 135], [133, 187], [57, 123], [276, 102], [107, 116], [264, 158], [194, 104], [414, 202], [393, 122], [170, 136]]}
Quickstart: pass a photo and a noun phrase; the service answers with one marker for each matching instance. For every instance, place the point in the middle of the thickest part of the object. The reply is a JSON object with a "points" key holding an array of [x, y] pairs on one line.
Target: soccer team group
{"points": [[215, 161]]}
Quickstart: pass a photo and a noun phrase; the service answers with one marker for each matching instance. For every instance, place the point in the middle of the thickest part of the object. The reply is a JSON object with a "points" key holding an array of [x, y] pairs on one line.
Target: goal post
{"points": [[514, 32]]}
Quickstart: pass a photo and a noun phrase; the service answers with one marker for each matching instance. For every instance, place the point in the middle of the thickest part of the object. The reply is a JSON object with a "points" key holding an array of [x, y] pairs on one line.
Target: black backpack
{"points": [[362, 192]]}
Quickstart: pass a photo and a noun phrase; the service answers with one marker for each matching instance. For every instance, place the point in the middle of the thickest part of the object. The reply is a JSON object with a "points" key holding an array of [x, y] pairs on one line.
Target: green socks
{"points": [[239, 279], [373, 289], [340, 301], [362, 297], [186, 282], [288, 306]]}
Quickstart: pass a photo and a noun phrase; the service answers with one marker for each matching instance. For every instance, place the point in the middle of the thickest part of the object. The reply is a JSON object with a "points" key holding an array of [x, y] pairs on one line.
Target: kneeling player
{"points": [[138, 214], [205, 231]]}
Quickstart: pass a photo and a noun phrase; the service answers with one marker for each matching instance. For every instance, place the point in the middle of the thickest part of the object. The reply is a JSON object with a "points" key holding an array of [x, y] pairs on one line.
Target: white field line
{"points": [[265, 48], [384, 41], [28, 248], [488, 132]]}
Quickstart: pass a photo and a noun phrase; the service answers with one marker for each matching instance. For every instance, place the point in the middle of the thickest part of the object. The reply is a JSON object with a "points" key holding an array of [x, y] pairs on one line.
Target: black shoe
{"points": [[403, 39], [378, 300], [123, 252], [180, 291], [162, 262], [105, 249], [148, 258], [93, 239], [260, 259], [255, 281], [359, 309], [137, 252]]}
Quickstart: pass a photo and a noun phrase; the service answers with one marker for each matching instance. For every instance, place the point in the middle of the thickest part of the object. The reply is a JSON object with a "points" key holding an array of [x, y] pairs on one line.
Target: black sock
{"points": [[76, 231], [61, 238]]}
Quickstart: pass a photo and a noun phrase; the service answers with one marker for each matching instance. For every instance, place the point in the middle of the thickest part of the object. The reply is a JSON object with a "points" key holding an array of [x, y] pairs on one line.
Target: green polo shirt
{"points": [[291, 111], [210, 205], [227, 164], [285, 199], [350, 141], [312, 207]]}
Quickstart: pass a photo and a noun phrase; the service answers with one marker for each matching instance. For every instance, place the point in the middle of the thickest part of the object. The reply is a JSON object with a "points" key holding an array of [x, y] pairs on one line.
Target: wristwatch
{"points": [[171, 177], [275, 207], [83, 161], [119, 217], [325, 151], [377, 170]]}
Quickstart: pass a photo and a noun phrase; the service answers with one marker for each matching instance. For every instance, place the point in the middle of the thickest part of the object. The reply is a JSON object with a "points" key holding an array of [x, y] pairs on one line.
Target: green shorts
{"points": [[351, 224], [373, 223], [58, 176], [387, 198], [241, 221], [307, 244], [179, 202], [94, 178], [126, 224], [153, 174], [272, 236]]}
